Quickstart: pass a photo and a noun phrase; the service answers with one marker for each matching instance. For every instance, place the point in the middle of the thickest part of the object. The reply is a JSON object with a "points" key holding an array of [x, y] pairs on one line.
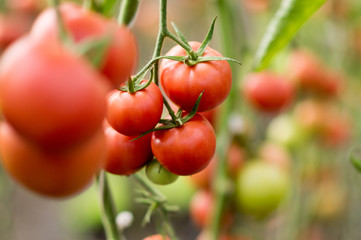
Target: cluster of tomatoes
{"points": [[68, 115]]}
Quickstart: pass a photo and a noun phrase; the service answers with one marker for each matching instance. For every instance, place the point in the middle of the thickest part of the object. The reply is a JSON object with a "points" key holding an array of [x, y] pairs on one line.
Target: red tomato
{"points": [[12, 27], [54, 174], [267, 91], [124, 156], [122, 54], [187, 149], [183, 84], [201, 208], [156, 237], [49, 95], [134, 113]]}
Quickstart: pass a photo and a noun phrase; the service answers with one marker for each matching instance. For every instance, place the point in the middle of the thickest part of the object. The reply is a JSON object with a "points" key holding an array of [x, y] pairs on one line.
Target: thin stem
{"points": [[182, 44], [128, 11], [171, 112], [108, 209]]}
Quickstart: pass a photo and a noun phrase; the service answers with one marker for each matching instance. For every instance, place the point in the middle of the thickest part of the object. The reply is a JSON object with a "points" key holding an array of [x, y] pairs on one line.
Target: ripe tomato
{"points": [[183, 84], [124, 156], [134, 113], [267, 91], [157, 237], [50, 96], [54, 174], [187, 149], [260, 188], [82, 24], [157, 174], [201, 208], [12, 27]]}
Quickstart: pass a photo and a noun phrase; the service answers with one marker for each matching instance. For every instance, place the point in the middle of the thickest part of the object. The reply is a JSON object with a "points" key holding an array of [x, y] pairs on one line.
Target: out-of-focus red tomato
{"points": [[54, 174], [267, 91], [12, 27], [30, 6], [276, 155], [122, 54], [50, 96], [157, 237], [336, 130]]}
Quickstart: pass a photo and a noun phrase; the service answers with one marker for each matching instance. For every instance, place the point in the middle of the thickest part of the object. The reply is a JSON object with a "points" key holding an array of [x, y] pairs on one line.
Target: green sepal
{"points": [[207, 39], [217, 58], [355, 158], [180, 35], [194, 109]]}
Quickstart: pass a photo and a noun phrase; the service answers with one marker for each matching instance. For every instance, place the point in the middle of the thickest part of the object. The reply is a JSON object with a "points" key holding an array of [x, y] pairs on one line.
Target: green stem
{"points": [[108, 209], [167, 226], [224, 138], [128, 11]]}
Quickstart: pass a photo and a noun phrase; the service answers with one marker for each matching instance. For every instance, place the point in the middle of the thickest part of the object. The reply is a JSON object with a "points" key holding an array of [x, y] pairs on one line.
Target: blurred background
{"points": [[309, 141]]}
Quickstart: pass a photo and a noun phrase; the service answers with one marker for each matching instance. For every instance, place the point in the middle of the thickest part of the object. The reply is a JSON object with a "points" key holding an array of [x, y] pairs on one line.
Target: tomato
{"points": [[82, 24], [53, 174], [31, 6], [183, 84], [134, 113], [157, 237], [276, 155], [50, 96], [187, 149], [336, 131], [125, 156], [201, 208], [260, 188], [12, 27], [268, 91], [157, 174]]}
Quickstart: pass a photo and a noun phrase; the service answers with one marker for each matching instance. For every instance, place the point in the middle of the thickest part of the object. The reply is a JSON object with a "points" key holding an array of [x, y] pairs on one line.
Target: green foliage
{"points": [[289, 18]]}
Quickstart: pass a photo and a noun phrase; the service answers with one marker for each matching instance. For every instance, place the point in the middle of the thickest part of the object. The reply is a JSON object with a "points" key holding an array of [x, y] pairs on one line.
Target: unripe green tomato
{"points": [[260, 188], [157, 174], [285, 131]]}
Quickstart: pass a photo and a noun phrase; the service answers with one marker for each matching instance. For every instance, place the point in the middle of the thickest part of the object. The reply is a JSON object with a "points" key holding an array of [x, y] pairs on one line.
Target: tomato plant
{"points": [[57, 99]]}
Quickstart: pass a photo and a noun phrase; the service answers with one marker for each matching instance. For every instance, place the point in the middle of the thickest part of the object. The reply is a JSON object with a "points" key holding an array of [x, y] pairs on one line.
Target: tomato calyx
{"points": [[192, 58], [178, 120], [136, 84]]}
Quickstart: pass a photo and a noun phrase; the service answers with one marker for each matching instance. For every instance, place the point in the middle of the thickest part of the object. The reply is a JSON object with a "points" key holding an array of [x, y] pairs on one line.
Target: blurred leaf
{"points": [[355, 158], [289, 18]]}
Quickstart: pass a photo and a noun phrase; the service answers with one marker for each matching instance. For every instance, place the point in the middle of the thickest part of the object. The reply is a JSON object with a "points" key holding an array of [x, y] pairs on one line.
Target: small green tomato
{"points": [[157, 174]]}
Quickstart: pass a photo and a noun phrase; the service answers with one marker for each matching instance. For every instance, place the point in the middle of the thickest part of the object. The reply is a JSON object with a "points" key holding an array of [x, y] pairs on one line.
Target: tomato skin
{"points": [[201, 208], [187, 149], [122, 55], [183, 84], [50, 96], [125, 157], [134, 113], [54, 174], [12, 27], [260, 187], [156, 237], [157, 174], [267, 91]]}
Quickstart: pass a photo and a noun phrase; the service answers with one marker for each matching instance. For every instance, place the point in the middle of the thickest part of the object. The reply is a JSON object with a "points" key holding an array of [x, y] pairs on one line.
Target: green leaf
{"points": [[355, 158], [289, 18], [207, 40], [109, 7]]}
